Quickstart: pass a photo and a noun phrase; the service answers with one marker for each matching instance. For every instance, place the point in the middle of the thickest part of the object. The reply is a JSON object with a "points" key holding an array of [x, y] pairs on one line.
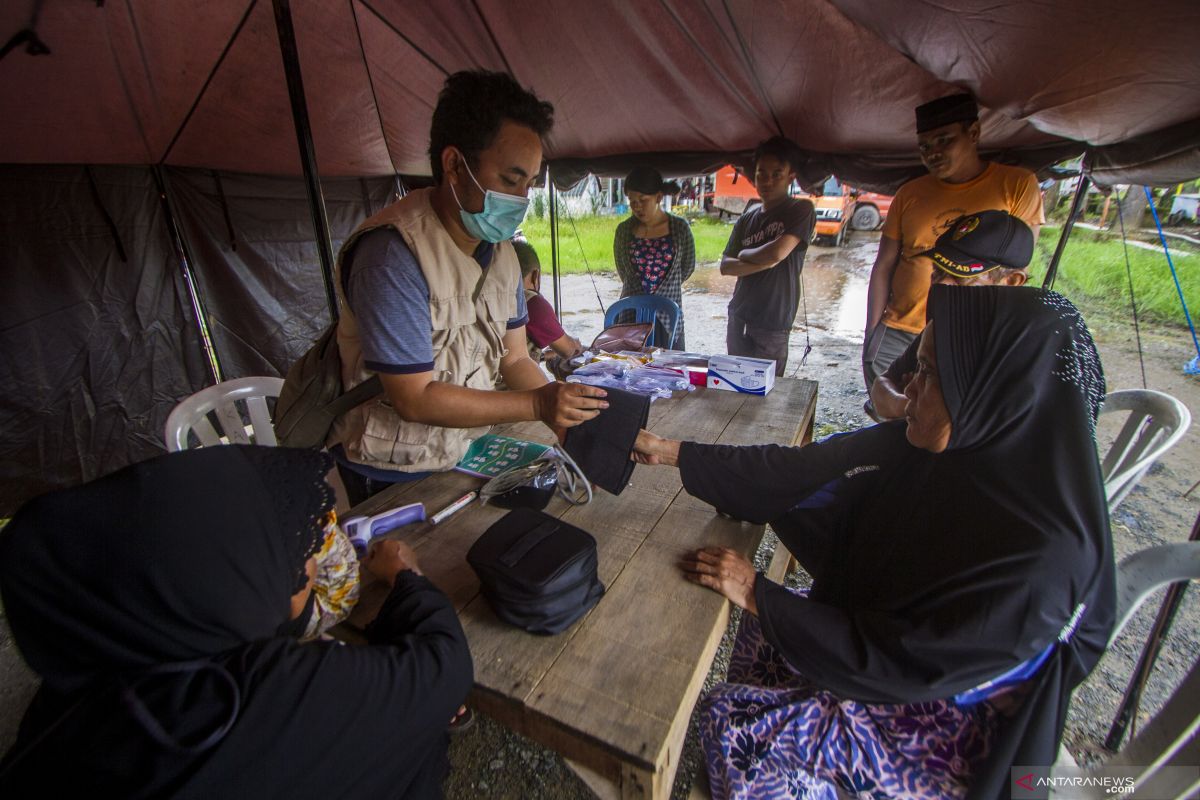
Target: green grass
{"points": [[1093, 268], [595, 234]]}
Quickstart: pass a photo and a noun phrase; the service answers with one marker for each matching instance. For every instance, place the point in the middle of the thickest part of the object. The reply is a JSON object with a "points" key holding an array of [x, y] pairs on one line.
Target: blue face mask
{"points": [[501, 215]]}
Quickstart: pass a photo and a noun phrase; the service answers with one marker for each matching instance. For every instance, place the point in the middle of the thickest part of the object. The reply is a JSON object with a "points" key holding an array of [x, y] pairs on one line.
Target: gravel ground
{"points": [[489, 761]]}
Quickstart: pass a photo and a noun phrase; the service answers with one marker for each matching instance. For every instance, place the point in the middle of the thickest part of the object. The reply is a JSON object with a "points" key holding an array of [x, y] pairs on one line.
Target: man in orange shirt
{"points": [[959, 183]]}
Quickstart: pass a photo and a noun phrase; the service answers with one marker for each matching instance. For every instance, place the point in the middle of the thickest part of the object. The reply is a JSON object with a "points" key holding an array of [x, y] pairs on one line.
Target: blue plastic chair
{"points": [[646, 308]]}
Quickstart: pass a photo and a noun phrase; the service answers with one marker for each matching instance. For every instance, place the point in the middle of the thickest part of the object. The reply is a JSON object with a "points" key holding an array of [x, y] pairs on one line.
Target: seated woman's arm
{"points": [[544, 329], [567, 346], [381, 708], [759, 483], [419, 660]]}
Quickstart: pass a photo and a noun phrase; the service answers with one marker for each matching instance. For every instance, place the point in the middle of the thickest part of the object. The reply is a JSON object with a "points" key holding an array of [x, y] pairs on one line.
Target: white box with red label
{"points": [[741, 374]]}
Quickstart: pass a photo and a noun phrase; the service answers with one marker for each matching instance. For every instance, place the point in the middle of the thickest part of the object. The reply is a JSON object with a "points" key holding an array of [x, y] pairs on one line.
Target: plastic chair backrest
{"points": [[1149, 763], [196, 414], [1139, 574], [1156, 422], [646, 307], [1172, 738]]}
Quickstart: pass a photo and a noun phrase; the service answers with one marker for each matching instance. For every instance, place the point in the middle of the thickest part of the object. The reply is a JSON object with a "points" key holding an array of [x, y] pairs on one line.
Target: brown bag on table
{"points": [[623, 337]]}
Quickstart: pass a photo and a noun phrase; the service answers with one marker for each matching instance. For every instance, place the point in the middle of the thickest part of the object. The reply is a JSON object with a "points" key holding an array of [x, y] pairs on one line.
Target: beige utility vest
{"points": [[469, 308]]}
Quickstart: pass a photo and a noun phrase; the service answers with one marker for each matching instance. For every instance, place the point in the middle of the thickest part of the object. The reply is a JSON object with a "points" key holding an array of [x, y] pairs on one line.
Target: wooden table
{"points": [[614, 693]]}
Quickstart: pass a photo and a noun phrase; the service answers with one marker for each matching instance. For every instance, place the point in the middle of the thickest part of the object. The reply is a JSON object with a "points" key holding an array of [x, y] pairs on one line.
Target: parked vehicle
{"points": [[839, 207], [870, 210], [733, 193], [835, 207]]}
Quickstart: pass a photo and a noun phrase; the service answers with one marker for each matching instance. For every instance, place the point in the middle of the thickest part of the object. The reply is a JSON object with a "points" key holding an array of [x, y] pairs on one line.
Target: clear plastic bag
{"points": [[649, 381]]}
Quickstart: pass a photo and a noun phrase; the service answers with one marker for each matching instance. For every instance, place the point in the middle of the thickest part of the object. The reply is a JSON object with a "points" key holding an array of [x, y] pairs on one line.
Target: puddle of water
{"points": [[835, 283]]}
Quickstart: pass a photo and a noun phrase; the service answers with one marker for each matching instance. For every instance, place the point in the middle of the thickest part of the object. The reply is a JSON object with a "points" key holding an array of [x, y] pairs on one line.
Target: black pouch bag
{"points": [[538, 572], [601, 446]]}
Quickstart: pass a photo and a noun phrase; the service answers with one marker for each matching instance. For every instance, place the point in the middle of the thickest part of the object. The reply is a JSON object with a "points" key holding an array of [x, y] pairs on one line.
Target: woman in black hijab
{"points": [[963, 581], [155, 605]]}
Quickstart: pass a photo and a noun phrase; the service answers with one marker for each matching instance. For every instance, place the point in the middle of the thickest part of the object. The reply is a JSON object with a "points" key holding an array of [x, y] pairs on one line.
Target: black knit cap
{"points": [[648, 180], [944, 110], [977, 243]]}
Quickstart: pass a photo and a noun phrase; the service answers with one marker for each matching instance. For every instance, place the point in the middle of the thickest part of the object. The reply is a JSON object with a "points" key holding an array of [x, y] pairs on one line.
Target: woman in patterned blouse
{"points": [[653, 250]]}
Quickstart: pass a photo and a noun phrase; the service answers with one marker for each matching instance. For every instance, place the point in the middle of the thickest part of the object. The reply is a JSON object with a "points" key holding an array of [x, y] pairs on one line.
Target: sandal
{"points": [[461, 722]]}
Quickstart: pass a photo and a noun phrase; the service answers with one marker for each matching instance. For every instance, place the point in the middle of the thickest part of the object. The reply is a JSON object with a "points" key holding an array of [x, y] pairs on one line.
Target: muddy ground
{"points": [[489, 761]]}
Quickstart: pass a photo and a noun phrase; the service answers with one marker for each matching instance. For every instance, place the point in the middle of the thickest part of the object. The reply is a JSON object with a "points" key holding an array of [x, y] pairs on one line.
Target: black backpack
{"points": [[312, 396]]}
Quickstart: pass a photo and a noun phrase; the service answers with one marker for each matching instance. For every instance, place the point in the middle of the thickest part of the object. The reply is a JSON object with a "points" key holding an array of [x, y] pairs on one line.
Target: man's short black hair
{"points": [[470, 109], [782, 149]]}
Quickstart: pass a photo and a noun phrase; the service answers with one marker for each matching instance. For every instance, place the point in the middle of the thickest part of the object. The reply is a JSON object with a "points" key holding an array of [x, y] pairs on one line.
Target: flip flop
{"points": [[462, 722]]}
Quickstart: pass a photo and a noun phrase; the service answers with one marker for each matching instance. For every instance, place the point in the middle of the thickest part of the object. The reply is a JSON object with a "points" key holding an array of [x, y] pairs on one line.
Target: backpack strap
{"points": [[356, 396]]}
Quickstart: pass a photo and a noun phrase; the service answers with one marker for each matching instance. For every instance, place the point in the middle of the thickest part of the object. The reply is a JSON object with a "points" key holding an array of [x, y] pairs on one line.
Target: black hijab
{"points": [[151, 603], [937, 572], [128, 596], [171, 560], [1023, 384]]}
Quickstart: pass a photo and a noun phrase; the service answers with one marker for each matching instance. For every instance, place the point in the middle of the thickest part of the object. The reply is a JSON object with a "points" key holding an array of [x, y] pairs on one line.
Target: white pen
{"points": [[457, 505]]}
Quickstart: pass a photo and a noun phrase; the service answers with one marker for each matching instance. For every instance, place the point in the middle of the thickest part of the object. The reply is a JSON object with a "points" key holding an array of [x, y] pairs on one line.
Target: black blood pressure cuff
{"points": [[601, 446]]}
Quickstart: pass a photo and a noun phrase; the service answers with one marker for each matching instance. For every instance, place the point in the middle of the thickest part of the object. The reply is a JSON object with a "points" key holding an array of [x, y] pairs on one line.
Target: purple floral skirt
{"points": [[769, 733]]}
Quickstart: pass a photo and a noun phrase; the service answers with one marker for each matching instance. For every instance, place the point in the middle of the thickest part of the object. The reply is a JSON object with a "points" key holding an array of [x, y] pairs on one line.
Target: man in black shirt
{"points": [[766, 253]]}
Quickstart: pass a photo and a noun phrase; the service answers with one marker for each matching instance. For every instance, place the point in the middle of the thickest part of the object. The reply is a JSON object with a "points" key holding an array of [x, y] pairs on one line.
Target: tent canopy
{"points": [[696, 82], [150, 148]]}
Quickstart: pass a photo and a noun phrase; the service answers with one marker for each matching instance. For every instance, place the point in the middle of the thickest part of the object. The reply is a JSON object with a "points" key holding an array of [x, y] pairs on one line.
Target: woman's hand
{"points": [[387, 558], [651, 449], [725, 572]]}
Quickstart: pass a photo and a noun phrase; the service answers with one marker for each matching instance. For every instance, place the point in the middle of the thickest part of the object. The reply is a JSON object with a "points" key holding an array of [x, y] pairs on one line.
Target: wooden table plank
{"points": [[623, 679], [508, 662], [613, 692]]}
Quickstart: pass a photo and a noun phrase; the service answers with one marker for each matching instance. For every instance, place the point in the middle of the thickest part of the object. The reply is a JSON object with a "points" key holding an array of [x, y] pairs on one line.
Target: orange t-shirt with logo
{"points": [[923, 209]]}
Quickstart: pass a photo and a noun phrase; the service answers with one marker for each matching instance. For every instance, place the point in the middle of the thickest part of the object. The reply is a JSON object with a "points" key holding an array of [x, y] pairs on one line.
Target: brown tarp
{"points": [[202, 85], [99, 339]]}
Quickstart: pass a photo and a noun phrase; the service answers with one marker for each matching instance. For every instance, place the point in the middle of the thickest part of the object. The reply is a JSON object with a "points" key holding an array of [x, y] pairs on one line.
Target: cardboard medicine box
{"points": [[741, 374]]}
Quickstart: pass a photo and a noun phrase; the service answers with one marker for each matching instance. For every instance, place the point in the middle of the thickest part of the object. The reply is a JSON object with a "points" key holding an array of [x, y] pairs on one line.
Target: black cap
{"points": [[944, 110], [977, 243]]}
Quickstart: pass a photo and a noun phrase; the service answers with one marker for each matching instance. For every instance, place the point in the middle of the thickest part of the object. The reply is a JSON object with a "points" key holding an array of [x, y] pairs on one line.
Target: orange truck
{"points": [[733, 193], [839, 207]]}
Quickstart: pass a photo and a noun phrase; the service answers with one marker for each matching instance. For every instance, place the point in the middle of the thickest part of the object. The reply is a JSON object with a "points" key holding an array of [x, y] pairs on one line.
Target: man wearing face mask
{"points": [[431, 298]]}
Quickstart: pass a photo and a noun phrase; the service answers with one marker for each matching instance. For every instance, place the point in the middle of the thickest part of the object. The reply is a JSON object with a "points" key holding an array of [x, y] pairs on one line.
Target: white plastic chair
{"points": [[1139, 574], [1156, 422], [1173, 737], [220, 403]]}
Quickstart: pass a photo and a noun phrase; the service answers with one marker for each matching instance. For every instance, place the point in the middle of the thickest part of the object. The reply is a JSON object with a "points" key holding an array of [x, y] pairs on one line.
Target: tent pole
{"points": [[553, 194], [1068, 226], [308, 156], [189, 280]]}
